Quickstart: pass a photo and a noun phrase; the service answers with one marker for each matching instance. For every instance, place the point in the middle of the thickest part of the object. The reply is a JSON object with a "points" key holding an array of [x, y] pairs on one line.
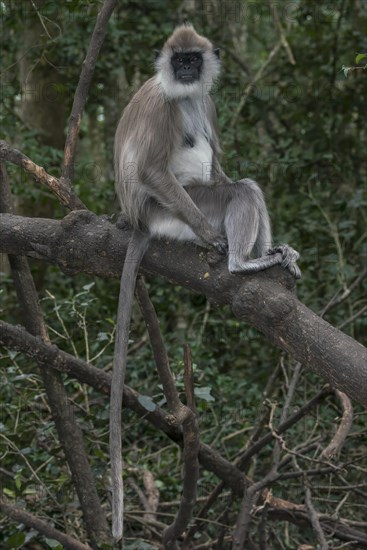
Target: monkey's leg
{"points": [[239, 210], [248, 229], [168, 193]]}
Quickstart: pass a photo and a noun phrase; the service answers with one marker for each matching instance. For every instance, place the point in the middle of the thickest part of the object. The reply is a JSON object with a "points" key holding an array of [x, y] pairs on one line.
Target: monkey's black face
{"points": [[187, 66]]}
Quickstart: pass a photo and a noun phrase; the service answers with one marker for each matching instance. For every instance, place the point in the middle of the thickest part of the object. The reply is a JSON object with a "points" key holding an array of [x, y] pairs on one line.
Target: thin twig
{"points": [[263, 409], [315, 522], [291, 420], [41, 20], [353, 317], [253, 82], [335, 300], [252, 494], [291, 389], [283, 37]]}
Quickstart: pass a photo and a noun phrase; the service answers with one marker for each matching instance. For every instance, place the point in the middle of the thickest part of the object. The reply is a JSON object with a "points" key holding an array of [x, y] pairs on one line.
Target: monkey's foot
{"points": [[289, 258], [283, 255]]}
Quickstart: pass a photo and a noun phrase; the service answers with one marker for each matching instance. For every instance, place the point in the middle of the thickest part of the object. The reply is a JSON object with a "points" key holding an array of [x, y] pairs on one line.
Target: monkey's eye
{"points": [[193, 59], [180, 60]]}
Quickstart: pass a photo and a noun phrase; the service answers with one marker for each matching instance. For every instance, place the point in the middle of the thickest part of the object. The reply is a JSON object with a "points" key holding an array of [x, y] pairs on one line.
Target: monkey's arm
{"points": [[162, 136], [165, 188], [149, 147], [218, 174]]}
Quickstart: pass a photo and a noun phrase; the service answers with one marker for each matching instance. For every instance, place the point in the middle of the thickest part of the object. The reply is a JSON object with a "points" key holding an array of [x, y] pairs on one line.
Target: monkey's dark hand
{"points": [[220, 244]]}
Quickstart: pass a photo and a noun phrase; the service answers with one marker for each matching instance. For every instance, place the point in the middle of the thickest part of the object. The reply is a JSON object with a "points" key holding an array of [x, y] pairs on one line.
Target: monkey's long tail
{"points": [[137, 246]]}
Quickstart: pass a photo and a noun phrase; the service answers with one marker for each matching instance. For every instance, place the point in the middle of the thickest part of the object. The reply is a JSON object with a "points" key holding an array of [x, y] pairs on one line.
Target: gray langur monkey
{"points": [[170, 184]]}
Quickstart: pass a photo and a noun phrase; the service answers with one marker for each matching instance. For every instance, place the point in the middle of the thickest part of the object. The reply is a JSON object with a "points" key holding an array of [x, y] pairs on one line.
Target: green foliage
{"points": [[300, 134]]}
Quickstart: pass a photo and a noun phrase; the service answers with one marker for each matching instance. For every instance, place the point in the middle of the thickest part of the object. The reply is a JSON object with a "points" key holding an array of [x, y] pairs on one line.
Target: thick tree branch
{"points": [[83, 242]]}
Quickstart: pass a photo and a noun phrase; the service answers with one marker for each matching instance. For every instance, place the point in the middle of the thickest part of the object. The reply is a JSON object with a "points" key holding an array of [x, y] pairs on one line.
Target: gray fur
{"points": [[157, 172], [170, 183]]}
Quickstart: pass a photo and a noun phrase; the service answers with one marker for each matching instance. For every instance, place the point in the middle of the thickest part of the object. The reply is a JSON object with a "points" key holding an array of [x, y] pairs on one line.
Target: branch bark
{"points": [[343, 430], [81, 92], [31, 521], [315, 521], [83, 242], [184, 416], [65, 195]]}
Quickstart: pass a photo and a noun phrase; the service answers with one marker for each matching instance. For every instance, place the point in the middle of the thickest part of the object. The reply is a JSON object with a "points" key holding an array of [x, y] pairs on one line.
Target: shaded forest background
{"points": [[289, 118]]}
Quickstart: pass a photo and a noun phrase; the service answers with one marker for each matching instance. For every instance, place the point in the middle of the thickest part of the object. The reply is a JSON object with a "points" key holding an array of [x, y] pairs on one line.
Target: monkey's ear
{"points": [[157, 53], [217, 52]]}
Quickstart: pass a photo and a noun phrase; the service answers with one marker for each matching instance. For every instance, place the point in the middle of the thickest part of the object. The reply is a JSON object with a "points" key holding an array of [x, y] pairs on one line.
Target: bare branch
{"points": [[283, 37], [21, 516], [330, 525], [249, 500], [252, 494], [143, 499], [315, 520], [343, 430], [150, 498], [152, 494], [253, 82], [336, 299], [58, 188], [290, 392], [353, 317], [81, 92], [189, 379], [203, 513], [291, 420], [183, 415], [159, 351], [70, 434]]}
